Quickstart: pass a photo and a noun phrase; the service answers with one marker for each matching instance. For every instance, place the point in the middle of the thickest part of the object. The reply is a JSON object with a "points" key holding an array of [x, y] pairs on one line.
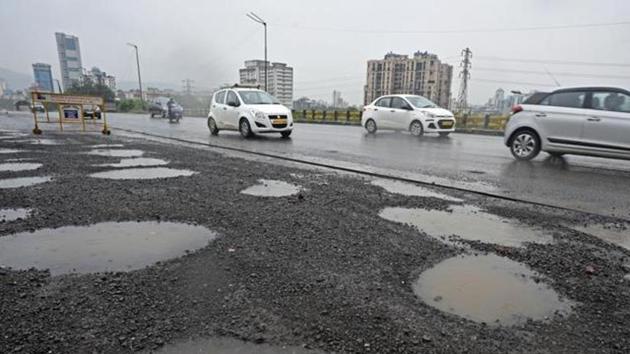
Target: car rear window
{"points": [[383, 102], [570, 99], [535, 98], [219, 97]]}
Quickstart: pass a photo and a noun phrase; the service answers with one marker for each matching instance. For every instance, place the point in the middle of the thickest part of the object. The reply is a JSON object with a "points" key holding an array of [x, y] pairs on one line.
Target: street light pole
{"points": [[139, 79], [257, 19]]}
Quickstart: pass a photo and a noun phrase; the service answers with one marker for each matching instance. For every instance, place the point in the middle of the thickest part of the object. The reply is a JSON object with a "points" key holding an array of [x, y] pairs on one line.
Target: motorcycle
{"points": [[175, 114]]}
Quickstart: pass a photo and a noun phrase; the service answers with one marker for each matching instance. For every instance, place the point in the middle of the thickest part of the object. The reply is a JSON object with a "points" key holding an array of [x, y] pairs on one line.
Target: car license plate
{"points": [[447, 124], [279, 121]]}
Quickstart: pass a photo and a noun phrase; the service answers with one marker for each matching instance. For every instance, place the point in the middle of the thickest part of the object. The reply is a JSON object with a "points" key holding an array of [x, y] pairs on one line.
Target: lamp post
{"points": [[139, 79], [257, 19]]}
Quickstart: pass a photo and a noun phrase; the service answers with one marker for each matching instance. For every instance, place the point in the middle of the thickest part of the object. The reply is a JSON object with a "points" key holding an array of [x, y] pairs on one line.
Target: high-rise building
{"points": [[499, 96], [280, 79], [43, 77], [423, 74], [69, 59]]}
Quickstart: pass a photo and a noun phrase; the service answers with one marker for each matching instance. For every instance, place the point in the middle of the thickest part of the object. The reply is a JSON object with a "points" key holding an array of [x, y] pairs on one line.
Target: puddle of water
{"points": [[230, 346], [489, 289], [135, 162], [143, 173], [23, 181], [410, 189], [108, 246], [467, 222], [17, 166], [117, 153], [39, 141], [619, 234], [7, 215], [272, 188], [105, 146], [11, 151]]}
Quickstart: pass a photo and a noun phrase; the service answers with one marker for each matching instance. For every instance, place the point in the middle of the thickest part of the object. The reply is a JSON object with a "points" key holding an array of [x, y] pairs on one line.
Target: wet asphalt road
{"points": [[476, 162]]}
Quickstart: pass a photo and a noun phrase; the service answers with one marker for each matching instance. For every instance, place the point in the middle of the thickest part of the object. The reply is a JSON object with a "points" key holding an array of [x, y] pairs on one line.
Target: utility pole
{"points": [[462, 100], [188, 86], [257, 19], [139, 79]]}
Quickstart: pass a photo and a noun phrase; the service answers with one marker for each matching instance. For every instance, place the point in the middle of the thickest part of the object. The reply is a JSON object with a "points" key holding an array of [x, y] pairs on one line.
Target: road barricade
{"points": [[71, 110]]}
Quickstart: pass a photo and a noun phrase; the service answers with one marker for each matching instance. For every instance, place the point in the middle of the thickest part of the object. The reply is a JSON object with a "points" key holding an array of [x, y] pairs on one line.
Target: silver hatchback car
{"points": [[591, 121]]}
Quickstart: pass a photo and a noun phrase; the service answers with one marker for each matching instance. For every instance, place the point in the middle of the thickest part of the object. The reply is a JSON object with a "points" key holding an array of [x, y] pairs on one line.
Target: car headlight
{"points": [[258, 114]]}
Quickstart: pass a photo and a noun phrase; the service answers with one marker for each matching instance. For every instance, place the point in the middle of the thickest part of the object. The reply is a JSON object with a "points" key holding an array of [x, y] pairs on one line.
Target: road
{"points": [[475, 162]]}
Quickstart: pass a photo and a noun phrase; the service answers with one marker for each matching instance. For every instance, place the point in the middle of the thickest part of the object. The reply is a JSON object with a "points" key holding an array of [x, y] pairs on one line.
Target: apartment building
{"points": [[422, 74], [279, 81]]}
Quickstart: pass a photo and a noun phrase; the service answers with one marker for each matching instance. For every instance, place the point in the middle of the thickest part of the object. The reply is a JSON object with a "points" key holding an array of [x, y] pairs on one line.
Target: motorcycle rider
{"points": [[170, 105]]}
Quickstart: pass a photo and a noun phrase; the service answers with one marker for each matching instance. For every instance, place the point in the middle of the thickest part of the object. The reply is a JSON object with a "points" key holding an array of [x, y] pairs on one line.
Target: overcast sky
{"points": [[326, 41]]}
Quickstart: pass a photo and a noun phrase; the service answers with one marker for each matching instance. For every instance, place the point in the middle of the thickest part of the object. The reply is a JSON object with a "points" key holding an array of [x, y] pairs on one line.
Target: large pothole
{"points": [[19, 166], [108, 246], [490, 289], [272, 188], [19, 182], [467, 222], [143, 173], [116, 152]]}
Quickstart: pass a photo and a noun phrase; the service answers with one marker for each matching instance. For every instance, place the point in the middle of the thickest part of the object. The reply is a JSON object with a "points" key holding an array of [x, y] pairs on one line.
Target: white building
{"points": [[70, 64], [279, 81]]}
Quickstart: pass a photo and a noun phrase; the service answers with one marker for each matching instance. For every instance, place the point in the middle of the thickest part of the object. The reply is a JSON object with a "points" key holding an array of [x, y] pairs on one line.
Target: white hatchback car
{"points": [[583, 120], [415, 114], [250, 111]]}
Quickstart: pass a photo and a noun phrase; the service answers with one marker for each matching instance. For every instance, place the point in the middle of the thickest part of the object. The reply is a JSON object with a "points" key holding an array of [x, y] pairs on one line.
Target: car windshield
{"points": [[420, 102], [257, 97]]}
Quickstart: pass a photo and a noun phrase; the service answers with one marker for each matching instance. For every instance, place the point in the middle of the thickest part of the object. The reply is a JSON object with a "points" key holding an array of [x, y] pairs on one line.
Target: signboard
{"points": [[46, 97]]}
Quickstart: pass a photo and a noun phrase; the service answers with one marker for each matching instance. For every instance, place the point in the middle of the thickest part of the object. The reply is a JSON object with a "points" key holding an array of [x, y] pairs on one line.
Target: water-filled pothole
{"points": [[11, 151], [230, 346], [143, 173], [137, 162], [117, 152], [105, 146], [23, 181], [19, 166], [7, 215], [490, 289], [616, 233], [410, 189], [108, 246], [467, 222], [272, 188]]}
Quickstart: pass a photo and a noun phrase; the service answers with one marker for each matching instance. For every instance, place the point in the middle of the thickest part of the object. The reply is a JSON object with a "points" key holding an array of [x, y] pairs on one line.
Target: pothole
{"points": [[22, 181], [117, 152], [272, 188], [7, 215], [11, 151], [103, 247], [490, 289], [19, 166], [410, 189], [143, 173], [467, 222], [105, 146], [230, 346], [616, 233], [136, 162]]}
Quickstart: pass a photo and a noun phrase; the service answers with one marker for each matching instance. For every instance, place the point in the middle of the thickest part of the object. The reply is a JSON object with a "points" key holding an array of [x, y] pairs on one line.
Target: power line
{"points": [[454, 31], [512, 82], [563, 62], [585, 75]]}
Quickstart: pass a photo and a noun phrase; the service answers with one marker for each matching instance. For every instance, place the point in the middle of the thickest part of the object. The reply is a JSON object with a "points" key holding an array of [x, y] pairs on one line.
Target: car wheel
{"points": [[212, 126], [163, 115], [286, 134], [525, 145], [370, 126], [415, 128], [444, 134], [152, 115], [245, 128]]}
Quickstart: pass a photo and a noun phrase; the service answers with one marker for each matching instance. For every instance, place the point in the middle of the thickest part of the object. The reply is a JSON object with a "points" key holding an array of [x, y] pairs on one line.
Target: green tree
{"points": [[89, 88]]}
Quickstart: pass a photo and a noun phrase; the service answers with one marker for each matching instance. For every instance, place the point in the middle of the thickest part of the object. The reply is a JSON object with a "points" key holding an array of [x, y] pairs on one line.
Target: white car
{"points": [[584, 121], [250, 111], [415, 114]]}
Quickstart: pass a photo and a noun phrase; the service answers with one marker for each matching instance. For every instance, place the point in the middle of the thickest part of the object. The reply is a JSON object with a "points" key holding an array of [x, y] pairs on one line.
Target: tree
{"points": [[88, 88]]}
